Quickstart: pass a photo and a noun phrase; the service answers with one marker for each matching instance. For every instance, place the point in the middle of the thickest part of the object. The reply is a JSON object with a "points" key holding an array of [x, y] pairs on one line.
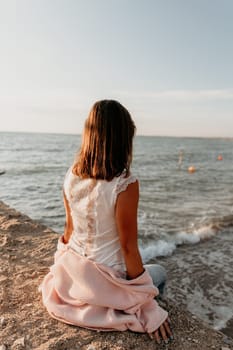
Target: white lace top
{"points": [[92, 205]]}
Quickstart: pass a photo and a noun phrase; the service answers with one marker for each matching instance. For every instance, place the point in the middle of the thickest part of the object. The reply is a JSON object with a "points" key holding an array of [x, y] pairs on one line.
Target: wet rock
{"points": [[227, 340]]}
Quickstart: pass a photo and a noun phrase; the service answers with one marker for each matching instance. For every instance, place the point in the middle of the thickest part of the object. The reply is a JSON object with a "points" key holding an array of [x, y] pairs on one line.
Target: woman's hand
{"points": [[163, 333]]}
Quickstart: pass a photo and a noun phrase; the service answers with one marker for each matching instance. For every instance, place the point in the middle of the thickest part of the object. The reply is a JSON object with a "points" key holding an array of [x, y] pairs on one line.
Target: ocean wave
{"points": [[166, 247], [209, 227], [160, 248]]}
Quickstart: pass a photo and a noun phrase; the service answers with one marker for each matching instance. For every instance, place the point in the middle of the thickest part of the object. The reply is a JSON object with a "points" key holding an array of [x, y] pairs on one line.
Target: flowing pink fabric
{"points": [[81, 292]]}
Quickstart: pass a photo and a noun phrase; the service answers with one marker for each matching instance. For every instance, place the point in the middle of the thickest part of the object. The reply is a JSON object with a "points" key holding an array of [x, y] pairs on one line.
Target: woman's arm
{"points": [[126, 219], [69, 223]]}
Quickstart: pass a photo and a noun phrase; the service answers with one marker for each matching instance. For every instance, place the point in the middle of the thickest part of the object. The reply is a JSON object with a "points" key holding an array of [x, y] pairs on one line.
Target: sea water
{"points": [[185, 219]]}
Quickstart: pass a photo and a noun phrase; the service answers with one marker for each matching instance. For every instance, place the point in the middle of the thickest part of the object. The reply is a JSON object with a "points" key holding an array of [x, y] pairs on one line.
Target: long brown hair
{"points": [[106, 149]]}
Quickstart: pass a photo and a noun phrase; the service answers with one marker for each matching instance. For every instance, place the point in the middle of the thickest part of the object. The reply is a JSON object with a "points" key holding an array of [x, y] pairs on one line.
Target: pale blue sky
{"points": [[170, 62]]}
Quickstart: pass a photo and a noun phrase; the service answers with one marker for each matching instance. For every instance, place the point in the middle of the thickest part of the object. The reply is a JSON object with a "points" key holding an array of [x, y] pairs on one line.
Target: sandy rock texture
{"points": [[26, 252]]}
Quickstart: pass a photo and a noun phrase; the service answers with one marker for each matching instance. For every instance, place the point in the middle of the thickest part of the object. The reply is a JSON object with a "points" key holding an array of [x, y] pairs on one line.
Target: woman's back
{"points": [[98, 280], [92, 205]]}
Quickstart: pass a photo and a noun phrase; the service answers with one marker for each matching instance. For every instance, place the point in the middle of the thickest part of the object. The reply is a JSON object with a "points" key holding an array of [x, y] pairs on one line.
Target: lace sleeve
{"points": [[123, 183], [66, 183]]}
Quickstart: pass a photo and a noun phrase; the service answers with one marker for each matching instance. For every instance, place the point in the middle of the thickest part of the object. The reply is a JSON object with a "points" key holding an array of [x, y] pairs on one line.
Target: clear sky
{"points": [[170, 62]]}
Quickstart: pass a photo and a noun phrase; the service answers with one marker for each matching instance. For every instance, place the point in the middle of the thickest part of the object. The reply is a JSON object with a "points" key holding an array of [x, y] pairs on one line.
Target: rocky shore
{"points": [[26, 252]]}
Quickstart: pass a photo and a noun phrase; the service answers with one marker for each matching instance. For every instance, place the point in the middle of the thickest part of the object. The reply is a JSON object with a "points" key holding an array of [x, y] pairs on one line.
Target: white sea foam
{"points": [[186, 238], [224, 314], [206, 232], [167, 247], [159, 248]]}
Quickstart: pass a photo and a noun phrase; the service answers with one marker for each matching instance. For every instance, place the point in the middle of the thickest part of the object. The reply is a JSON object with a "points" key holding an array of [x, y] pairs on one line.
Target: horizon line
{"points": [[141, 135]]}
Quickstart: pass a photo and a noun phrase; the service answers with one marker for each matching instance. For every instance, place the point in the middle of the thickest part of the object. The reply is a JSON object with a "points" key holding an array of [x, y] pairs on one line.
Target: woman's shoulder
{"points": [[124, 177], [124, 181]]}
